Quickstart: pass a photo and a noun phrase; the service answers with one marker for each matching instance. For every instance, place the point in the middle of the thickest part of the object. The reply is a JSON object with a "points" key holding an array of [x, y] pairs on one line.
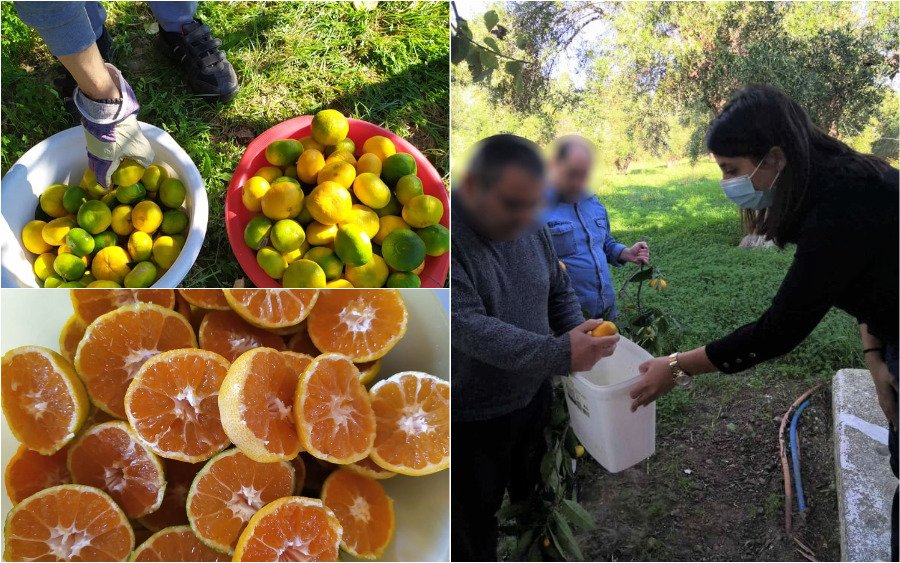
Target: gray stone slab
{"points": [[865, 483]]}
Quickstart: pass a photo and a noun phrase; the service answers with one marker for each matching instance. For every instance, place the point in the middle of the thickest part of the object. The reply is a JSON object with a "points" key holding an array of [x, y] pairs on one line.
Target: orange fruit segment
{"points": [[71, 334], [91, 303], [299, 474], [110, 457], [256, 402], [28, 472], [228, 491], [226, 333], [291, 529], [272, 308], [117, 344], [413, 414], [364, 510], [44, 402], [368, 371], [179, 476], [206, 298], [67, 523], [297, 362], [176, 543], [361, 324], [333, 412], [173, 404], [368, 468]]}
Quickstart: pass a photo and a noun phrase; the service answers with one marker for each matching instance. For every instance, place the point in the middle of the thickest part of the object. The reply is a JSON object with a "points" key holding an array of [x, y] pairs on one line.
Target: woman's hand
{"points": [[656, 381], [886, 388]]}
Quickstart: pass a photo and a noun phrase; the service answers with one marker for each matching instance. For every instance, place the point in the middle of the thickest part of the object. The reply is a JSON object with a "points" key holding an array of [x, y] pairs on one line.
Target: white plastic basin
{"points": [[600, 410], [62, 159]]}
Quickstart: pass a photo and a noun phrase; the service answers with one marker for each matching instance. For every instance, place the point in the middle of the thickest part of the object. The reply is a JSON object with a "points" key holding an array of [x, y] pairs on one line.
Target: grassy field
{"points": [[388, 66]]}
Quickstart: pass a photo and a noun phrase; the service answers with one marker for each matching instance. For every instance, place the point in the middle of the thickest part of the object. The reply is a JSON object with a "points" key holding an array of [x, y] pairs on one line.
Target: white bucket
{"points": [[62, 159], [600, 410]]}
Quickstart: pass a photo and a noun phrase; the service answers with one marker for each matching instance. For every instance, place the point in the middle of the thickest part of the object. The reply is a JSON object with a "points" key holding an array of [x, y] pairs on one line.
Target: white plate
{"points": [[422, 504]]}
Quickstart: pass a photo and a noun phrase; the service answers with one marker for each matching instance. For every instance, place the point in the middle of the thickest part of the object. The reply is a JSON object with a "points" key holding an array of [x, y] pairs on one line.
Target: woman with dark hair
{"points": [[840, 208]]}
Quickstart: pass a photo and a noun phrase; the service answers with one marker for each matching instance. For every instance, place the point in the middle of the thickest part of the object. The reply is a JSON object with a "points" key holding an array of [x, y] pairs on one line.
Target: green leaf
{"points": [[491, 19], [640, 275], [492, 43], [523, 545], [566, 537], [488, 59], [521, 41], [459, 49], [534, 552], [514, 67], [473, 59], [576, 514], [464, 28]]}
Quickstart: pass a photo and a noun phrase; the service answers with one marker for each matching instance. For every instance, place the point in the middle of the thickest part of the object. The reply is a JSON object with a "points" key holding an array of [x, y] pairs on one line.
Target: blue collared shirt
{"points": [[580, 233]]}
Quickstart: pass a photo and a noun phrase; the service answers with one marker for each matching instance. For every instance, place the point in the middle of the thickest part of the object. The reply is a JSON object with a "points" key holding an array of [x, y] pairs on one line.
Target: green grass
{"points": [[388, 66], [713, 286]]}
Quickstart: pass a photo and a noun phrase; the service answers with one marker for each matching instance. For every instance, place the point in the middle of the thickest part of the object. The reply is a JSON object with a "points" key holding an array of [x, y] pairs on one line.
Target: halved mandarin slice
{"points": [[300, 342], [226, 333], [117, 344], [272, 308], [212, 299], [361, 324], [173, 404], [413, 413], [91, 303], [183, 308], [333, 411], [291, 529], [176, 543], [71, 334], [67, 523], [256, 402], [368, 371], [28, 472], [297, 362], [368, 468], [44, 401], [110, 457], [228, 491], [179, 476], [364, 510], [299, 474]]}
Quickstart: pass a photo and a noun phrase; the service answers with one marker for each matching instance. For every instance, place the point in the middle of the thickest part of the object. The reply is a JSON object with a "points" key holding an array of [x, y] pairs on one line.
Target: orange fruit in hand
{"points": [[109, 456], [71, 334], [28, 472], [255, 403], [361, 324], [364, 510], [67, 523], [206, 298], [179, 476], [291, 529], [91, 303], [117, 344], [44, 402], [272, 308], [172, 404], [606, 328], [228, 491], [413, 414], [176, 543], [368, 468], [333, 411], [227, 334]]}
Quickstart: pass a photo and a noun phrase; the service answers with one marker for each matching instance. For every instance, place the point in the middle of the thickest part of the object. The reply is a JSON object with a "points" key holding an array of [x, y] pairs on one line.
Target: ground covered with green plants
{"points": [[387, 65]]}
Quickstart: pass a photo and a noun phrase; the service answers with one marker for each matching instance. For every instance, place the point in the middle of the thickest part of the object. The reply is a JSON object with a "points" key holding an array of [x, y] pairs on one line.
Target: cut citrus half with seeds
{"points": [[117, 344], [71, 334], [44, 402], [226, 333], [300, 342], [333, 412], [369, 468], [228, 491], [110, 457], [361, 324], [291, 529], [413, 413], [28, 472], [173, 404], [272, 308], [256, 402], [176, 543], [67, 523], [91, 303], [179, 476], [206, 298], [364, 510]]}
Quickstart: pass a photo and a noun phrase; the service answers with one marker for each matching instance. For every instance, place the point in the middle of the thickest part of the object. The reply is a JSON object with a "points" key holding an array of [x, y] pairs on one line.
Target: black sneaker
{"points": [[65, 83], [208, 72]]}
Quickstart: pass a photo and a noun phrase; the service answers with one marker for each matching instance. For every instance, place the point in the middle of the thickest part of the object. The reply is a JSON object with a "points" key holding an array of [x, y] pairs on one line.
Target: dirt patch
{"points": [[714, 490]]}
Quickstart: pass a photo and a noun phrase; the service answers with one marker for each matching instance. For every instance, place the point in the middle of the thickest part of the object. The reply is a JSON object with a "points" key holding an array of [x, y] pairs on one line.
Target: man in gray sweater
{"points": [[516, 324]]}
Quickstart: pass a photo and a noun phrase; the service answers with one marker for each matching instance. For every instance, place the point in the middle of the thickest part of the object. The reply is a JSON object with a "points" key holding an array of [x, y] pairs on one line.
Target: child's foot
{"points": [[207, 70]]}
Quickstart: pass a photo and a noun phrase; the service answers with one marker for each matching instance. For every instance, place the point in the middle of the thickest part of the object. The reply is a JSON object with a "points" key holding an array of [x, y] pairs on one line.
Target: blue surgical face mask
{"points": [[740, 190]]}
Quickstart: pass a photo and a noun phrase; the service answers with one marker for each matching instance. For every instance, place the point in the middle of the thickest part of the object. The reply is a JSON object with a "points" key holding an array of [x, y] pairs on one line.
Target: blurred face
{"points": [[762, 178], [503, 211], [570, 174]]}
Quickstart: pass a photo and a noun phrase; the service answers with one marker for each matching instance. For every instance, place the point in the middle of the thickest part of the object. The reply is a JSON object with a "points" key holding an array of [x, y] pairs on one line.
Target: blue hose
{"points": [[795, 456]]}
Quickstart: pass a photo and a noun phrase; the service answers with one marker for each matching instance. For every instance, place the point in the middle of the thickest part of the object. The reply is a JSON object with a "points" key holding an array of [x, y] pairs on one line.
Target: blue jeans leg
{"points": [[172, 15], [66, 27]]}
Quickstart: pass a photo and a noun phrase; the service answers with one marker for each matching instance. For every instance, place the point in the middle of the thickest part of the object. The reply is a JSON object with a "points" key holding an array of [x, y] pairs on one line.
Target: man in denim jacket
{"points": [[579, 226]]}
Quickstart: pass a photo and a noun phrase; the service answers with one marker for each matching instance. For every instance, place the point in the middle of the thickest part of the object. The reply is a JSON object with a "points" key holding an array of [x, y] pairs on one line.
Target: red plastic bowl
{"points": [[237, 216]]}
